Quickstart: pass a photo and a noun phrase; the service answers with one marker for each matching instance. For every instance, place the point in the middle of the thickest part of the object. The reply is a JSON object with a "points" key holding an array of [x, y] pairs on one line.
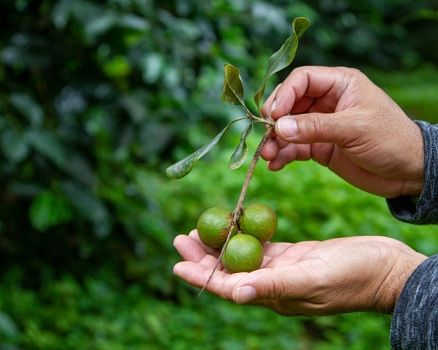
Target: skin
{"points": [[308, 278], [348, 124], [339, 118]]}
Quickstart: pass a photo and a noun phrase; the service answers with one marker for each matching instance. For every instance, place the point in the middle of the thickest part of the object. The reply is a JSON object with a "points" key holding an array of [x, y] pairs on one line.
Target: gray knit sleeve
{"points": [[415, 321], [424, 209]]}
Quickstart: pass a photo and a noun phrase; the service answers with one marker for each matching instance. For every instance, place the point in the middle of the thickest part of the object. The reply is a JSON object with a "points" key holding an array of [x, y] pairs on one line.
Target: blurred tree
{"points": [[96, 98]]}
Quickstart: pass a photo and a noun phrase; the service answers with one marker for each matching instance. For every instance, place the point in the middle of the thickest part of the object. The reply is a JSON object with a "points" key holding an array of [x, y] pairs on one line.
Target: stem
{"points": [[239, 206], [268, 123]]}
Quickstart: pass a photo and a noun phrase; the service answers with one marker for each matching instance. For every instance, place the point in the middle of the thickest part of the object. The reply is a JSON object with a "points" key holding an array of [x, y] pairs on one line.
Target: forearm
{"points": [[424, 209], [415, 320]]}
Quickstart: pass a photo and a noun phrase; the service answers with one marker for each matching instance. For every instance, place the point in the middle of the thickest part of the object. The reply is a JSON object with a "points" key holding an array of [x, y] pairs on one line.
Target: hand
{"points": [[308, 278], [343, 121]]}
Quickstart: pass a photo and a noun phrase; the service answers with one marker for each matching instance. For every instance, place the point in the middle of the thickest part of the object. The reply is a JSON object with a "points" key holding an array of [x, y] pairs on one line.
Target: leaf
{"points": [[48, 145], [8, 328], [90, 206], [184, 166], [28, 107], [117, 67], [233, 87], [284, 56], [239, 155], [14, 145], [48, 210]]}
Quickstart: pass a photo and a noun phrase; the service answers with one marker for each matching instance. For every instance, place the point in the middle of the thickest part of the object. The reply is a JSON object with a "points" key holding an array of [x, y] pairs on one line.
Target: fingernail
{"points": [[177, 269], [274, 105], [286, 127], [245, 294]]}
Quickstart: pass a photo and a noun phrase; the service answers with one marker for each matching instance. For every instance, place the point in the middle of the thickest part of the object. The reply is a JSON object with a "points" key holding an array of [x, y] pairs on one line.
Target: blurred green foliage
{"points": [[97, 98]]}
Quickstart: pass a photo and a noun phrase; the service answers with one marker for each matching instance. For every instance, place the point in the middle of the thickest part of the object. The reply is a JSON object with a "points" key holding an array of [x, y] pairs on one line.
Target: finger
{"points": [[274, 283], [310, 128], [302, 105], [270, 150], [195, 236], [268, 105], [311, 82], [222, 284], [322, 105], [288, 154], [275, 165], [209, 262], [321, 152], [188, 248], [192, 273]]}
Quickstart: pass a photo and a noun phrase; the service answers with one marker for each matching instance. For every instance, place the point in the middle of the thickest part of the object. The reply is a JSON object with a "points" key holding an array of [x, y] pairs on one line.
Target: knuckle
{"points": [[356, 74], [301, 71], [321, 282], [275, 288], [265, 111], [352, 71], [318, 126]]}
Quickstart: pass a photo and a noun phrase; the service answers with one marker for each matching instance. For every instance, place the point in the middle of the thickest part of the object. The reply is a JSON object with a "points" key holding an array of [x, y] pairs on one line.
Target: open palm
{"points": [[308, 278]]}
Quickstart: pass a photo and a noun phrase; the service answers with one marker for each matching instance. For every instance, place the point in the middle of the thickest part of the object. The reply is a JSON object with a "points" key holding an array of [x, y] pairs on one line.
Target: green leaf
{"points": [[184, 166], [233, 87], [28, 107], [117, 67], [239, 155], [90, 206], [8, 328], [48, 145], [283, 57], [14, 144], [48, 210]]}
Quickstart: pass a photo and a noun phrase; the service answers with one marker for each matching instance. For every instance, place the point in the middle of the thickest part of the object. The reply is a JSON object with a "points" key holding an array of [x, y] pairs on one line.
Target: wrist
{"points": [[394, 281], [413, 188]]}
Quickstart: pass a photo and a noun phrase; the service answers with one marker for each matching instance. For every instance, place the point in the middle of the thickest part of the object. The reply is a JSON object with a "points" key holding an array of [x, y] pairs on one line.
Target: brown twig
{"points": [[239, 206]]}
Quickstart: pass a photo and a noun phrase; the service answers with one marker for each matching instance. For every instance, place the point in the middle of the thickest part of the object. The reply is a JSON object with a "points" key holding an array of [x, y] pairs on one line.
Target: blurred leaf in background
{"points": [[98, 98]]}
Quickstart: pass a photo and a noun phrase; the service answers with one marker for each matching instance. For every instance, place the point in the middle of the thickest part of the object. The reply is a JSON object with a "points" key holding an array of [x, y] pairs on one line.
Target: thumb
{"points": [[314, 127], [269, 284]]}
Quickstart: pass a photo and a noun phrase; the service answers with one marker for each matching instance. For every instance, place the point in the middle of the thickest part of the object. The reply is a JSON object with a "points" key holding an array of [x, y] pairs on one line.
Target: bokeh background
{"points": [[97, 98]]}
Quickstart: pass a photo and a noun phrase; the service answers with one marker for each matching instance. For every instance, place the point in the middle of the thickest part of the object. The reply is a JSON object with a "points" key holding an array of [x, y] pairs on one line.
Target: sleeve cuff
{"points": [[415, 321], [422, 209]]}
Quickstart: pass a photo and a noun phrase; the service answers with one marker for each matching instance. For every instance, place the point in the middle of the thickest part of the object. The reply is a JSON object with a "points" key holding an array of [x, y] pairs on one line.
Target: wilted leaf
{"points": [[283, 57], [184, 166], [239, 155], [233, 87]]}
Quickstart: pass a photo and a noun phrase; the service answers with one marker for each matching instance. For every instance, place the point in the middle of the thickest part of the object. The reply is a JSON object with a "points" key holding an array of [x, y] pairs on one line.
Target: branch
{"points": [[239, 206]]}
